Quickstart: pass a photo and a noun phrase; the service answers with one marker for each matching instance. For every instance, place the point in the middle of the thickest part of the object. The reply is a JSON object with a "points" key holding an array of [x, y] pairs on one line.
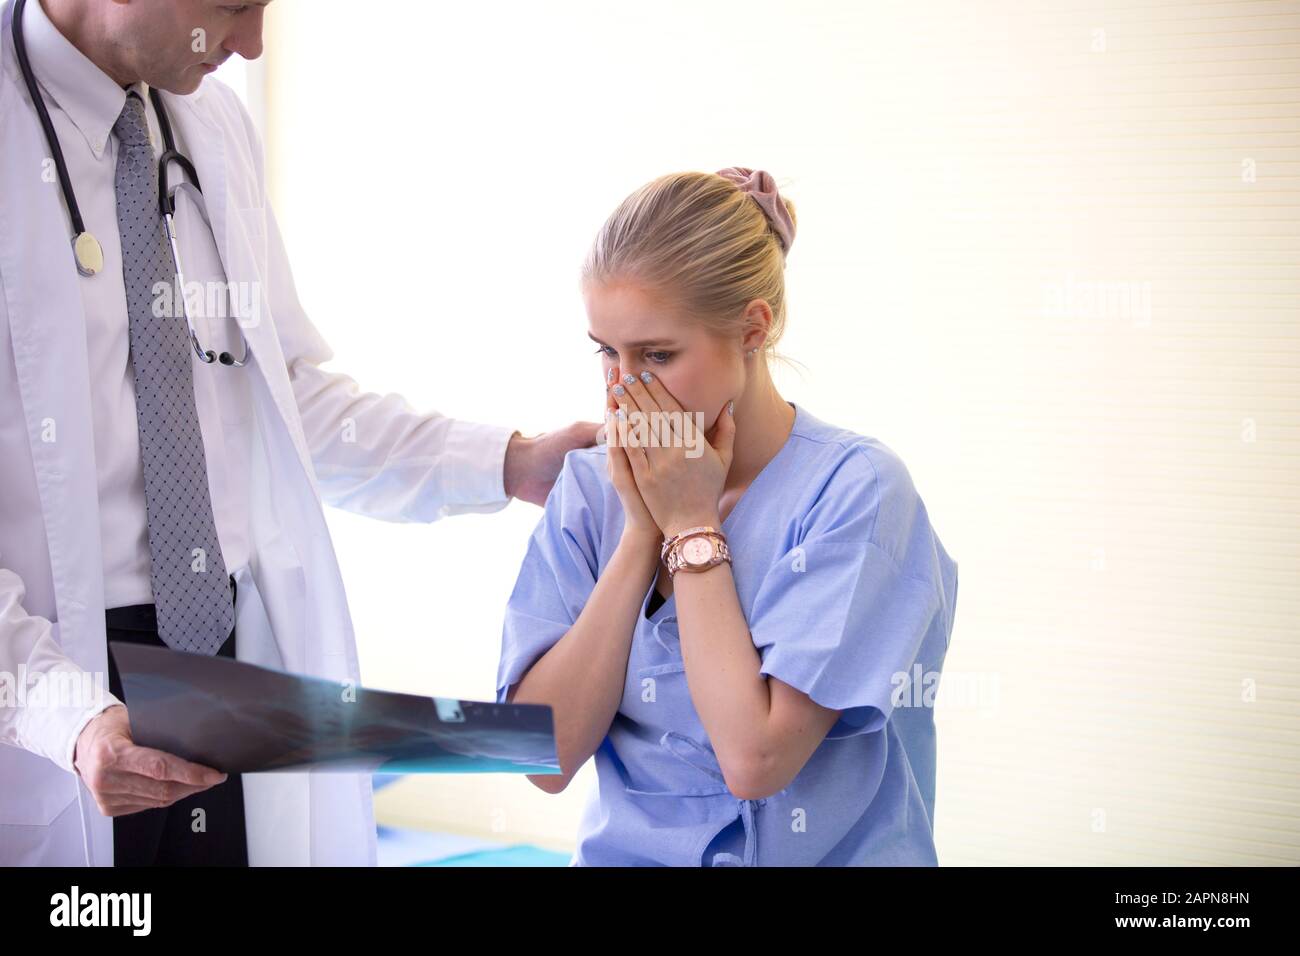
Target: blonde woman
{"points": [[759, 691]]}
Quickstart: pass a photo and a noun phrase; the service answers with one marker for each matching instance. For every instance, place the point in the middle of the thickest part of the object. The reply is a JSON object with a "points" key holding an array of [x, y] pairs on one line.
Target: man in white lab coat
{"points": [[86, 500]]}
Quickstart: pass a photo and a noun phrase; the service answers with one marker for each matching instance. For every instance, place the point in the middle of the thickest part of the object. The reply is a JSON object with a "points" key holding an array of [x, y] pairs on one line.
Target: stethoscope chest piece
{"points": [[90, 257], [86, 250]]}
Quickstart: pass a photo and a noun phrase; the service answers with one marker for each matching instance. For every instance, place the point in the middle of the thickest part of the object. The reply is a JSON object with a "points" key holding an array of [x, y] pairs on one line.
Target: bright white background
{"points": [[1029, 259], [469, 157]]}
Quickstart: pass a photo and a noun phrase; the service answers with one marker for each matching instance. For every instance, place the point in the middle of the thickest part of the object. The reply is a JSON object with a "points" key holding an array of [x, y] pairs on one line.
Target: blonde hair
{"points": [[696, 239]]}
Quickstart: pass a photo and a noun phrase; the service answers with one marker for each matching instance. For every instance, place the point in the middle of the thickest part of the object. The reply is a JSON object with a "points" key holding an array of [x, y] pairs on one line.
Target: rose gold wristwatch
{"points": [[695, 549]]}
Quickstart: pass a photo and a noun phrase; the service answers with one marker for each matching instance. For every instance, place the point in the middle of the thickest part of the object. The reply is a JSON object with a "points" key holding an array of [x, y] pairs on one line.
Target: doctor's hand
{"points": [[533, 464], [125, 778]]}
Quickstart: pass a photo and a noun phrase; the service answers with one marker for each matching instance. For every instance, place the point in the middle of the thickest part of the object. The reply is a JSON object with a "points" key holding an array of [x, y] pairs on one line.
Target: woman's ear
{"points": [[758, 320]]}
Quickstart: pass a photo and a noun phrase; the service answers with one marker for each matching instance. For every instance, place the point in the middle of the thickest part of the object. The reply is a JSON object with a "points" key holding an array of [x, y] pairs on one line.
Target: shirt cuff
{"points": [[79, 724], [51, 727], [473, 464]]}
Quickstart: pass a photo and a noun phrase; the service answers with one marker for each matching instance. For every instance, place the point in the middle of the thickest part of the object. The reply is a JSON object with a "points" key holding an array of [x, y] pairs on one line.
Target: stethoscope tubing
{"points": [[166, 196]]}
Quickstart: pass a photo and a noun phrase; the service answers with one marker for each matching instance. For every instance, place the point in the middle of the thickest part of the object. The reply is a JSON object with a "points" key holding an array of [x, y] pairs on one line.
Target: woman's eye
{"points": [[659, 358]]}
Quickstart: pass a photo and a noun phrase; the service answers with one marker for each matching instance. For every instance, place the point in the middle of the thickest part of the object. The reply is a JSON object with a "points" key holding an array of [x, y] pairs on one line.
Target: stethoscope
{"points": [[85, 247]]}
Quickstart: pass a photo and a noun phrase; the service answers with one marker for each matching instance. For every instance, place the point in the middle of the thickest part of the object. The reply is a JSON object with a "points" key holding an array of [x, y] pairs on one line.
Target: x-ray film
{"points": [[240, 718]]}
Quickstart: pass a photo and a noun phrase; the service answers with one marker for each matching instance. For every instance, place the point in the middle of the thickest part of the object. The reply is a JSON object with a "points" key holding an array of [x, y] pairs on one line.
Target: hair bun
{"points": [[759, 184]]}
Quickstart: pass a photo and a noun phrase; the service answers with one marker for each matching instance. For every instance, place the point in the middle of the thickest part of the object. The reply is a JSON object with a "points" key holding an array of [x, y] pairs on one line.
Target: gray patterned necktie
{"points": [[190, 584]]}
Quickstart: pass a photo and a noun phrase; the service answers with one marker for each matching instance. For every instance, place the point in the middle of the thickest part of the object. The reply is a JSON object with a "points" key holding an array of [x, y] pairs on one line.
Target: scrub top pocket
{"points": [[680, 761]]}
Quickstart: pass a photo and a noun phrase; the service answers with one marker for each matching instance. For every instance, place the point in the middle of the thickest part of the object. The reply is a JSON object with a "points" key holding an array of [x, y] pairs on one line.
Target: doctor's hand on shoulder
{"points": [[125, 778], [533, 464]]}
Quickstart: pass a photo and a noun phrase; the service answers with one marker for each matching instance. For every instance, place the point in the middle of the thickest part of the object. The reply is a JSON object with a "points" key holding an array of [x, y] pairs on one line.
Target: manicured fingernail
{"points": [[629, 379], [622, 415], [731, 408], [619, 390], [609, 375], [646, 377]]}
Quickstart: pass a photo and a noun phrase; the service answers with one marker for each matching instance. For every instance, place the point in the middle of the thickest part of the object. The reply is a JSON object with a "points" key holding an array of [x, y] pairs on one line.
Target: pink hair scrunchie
{"points": [[760, 185]]}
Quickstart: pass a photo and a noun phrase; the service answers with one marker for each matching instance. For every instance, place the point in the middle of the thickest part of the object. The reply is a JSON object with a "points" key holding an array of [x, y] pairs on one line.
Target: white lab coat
{"points": [[291, 611]]}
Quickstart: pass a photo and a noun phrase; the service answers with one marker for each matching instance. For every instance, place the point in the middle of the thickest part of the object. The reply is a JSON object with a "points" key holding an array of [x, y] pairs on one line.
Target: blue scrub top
{"points": [[850, 598]]}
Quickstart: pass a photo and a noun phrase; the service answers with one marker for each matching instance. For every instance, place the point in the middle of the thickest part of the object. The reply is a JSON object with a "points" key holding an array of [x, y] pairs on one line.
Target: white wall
{"points": [[966, 176], [248, 79]]}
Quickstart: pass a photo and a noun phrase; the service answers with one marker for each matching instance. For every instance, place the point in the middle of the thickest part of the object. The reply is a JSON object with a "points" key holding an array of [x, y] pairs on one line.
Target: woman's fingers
{"points": [[611, 408], [664, 415], [659, 394], [636, 389], [621, 396], [621, 474], [623, 477]]}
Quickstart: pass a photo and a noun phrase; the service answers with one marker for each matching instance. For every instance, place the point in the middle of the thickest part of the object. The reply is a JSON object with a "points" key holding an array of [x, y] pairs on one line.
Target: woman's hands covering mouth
{"points": [[668, 472], [638, 522]]}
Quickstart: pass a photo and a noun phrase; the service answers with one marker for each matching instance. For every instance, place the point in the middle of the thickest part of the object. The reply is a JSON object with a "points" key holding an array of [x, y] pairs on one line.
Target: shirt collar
{"points": [[89, 96]]}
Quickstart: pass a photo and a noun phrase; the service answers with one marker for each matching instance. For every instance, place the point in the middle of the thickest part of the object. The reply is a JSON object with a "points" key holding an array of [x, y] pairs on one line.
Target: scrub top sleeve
{"points": [[842, 615], [557, 576]]}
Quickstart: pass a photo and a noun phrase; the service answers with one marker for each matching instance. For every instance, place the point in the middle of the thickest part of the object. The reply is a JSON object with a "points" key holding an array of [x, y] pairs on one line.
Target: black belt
{"points": [[141, 617]]}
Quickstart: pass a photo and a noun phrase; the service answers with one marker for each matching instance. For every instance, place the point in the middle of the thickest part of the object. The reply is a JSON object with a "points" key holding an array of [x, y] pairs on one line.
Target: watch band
{"points": [[675, 561]]}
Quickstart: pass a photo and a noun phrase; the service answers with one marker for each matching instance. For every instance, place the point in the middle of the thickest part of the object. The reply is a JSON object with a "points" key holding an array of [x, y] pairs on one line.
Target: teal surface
{"points": [[520, 855], [456, 763], [404, 847]]}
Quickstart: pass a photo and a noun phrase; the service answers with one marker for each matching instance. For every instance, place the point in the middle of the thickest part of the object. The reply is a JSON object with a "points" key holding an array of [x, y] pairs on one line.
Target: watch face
{"points": [[697, 550]]}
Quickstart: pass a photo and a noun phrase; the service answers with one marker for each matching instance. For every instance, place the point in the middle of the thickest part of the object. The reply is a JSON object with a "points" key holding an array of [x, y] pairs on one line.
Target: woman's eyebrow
{"points": [[636, 345]]}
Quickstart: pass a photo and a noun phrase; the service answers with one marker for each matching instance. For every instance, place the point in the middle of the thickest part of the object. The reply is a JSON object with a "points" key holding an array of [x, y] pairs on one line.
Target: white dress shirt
{"points": [[428, 465]]}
